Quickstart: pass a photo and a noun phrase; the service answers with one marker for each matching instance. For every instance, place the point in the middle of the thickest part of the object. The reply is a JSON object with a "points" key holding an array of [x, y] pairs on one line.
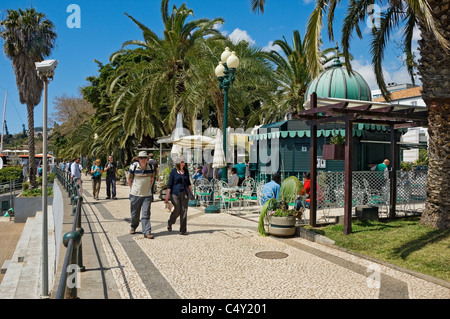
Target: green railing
{"points": [[73, 261]]}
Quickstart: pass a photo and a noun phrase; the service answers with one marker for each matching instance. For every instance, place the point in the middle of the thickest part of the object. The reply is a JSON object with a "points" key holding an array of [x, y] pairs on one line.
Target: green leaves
{"points": [[290, 189]]}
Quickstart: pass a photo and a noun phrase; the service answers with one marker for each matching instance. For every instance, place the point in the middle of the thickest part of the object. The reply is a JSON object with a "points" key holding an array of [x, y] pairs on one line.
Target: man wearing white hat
{"points": [[140, 180]]}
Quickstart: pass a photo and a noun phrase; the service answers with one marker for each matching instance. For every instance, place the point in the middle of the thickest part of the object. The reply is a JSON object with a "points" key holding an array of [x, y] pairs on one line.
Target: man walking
{"points": [[111, 175], [140, 180], [75, 172]]}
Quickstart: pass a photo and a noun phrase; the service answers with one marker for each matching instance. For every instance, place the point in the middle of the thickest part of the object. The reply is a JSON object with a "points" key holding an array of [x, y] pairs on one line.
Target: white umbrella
{"points": [[219, 155], [177, 134], [196, 141]]}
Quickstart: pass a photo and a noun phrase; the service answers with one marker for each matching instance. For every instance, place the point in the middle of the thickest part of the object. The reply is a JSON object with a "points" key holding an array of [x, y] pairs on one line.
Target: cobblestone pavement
{"points": [[223, 257]]}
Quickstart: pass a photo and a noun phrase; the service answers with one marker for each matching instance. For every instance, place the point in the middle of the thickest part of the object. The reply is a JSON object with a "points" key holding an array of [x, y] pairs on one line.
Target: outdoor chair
{"points": [[357, 194], [248, 193], [227, 197], [377, 197], [202, 190], [215, 190]]}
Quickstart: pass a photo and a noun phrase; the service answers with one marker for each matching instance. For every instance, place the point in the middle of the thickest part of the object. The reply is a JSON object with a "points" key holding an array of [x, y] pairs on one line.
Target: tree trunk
{"points": [[31, 161], [434, 69]]}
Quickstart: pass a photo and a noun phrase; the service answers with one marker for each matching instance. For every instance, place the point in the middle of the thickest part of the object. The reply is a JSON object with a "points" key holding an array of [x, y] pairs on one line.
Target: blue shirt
{"points": [[178, 182], [240, 167], [269, 190]]}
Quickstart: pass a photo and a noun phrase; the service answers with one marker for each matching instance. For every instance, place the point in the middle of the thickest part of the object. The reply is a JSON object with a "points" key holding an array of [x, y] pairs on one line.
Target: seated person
{"points": [[198, 174], [306, 190], [233, 180], [271, 189]]}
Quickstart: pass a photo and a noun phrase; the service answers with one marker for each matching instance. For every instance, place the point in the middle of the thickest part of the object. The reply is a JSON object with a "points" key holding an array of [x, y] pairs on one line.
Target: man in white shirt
{"points": [[75, 172], [140, 180]]}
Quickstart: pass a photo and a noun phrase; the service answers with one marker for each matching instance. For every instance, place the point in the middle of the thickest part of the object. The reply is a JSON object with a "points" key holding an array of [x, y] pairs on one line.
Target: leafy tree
{"points": [[29, 37], [154, 90], [253, 87]]}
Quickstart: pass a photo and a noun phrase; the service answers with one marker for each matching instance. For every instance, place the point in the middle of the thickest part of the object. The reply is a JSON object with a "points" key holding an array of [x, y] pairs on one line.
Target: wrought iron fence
{"points": [[368, 188]]}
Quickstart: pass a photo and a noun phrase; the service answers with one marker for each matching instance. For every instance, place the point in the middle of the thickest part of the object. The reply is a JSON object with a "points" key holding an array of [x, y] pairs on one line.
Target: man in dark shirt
{"points": [[111, 173]]}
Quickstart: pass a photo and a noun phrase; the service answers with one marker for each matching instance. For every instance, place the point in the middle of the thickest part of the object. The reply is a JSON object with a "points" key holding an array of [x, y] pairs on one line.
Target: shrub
{"points": [[25, 186], [10, 173]]}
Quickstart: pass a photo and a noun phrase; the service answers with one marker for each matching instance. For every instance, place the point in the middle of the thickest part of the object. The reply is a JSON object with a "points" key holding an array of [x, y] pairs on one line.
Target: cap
{"points": [[142, 154], [179, 159]]}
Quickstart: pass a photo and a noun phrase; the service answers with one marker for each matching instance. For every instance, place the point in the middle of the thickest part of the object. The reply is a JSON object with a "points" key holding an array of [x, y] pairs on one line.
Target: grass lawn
{"points": [[403, 242]]}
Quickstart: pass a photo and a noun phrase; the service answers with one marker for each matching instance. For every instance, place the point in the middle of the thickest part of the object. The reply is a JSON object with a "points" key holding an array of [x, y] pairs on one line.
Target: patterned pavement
{"points": [[223, 257]]}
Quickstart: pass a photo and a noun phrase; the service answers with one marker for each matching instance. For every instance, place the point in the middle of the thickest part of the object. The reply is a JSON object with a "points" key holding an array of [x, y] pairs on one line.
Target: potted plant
{"points": [[335, 149], [276, 211]]}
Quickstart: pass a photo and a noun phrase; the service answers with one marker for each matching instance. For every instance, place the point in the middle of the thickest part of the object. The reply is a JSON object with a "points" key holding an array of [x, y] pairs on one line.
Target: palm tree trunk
{"points": [[434, 68], [31, 161]]}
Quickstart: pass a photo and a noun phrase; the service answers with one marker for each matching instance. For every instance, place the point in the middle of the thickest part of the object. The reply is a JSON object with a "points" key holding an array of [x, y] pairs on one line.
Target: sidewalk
{"points": [[223, 257]]}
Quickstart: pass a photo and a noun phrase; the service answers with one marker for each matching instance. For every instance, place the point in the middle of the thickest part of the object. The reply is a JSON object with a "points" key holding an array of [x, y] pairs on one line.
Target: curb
{"points": [[312, 236]]}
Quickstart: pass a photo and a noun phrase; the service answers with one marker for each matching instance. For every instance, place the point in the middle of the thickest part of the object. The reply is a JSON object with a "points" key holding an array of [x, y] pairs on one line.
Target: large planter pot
{"points": [[282, 226], [333, 152]]}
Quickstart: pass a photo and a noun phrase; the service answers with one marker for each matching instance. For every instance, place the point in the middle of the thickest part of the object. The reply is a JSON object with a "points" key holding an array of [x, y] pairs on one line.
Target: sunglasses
{"points": [[142, 158]]}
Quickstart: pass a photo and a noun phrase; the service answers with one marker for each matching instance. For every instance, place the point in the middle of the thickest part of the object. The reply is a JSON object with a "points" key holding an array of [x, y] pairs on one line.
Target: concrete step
{"points": [[23, 277], [10, 280], [5, 266], [30, 282]]}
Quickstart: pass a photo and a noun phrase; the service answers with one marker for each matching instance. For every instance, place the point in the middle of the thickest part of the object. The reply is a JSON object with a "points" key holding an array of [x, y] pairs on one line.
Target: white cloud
{"points": [[417, 35], [399, 75], [364, 68], [269, 47], [238, 35]]}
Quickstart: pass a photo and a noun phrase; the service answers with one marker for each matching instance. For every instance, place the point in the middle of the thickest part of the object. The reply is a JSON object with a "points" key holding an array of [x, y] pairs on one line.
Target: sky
{"points": [[104, 28]]}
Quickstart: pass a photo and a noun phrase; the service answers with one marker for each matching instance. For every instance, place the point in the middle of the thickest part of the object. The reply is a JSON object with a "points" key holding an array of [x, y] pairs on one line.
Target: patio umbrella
{"points": [[177, 134], [219, 155], [196, 141]]}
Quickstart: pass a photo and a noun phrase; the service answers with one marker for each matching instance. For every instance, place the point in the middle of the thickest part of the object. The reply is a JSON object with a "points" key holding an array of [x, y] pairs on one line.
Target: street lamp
{"points": [[228, 64], [45, 71]]}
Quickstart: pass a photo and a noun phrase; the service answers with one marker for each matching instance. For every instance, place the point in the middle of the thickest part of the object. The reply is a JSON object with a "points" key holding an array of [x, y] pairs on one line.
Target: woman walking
{"points": [[178, 190], [96, 171]]}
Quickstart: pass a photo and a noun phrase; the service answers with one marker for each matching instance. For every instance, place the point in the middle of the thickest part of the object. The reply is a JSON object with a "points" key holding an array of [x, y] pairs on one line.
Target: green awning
{"points": [[326, 133]]}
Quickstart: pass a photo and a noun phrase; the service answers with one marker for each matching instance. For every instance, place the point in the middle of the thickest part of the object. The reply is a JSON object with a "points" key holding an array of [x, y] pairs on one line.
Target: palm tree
{"points": [[291, 72], [154, 90], [253, 87], [29, 37], [431, 17]]}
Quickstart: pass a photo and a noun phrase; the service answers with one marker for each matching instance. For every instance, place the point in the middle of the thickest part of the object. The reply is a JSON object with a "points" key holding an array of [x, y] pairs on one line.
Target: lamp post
{"points": [[45, 71], [228, 64]]}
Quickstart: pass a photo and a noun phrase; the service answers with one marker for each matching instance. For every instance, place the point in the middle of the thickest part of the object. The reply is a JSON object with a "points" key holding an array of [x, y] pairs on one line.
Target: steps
{"points": [[23, 277]]}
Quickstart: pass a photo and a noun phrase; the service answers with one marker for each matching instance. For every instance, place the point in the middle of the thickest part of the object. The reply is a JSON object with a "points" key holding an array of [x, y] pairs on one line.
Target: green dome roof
{"points": [[337, 83]]}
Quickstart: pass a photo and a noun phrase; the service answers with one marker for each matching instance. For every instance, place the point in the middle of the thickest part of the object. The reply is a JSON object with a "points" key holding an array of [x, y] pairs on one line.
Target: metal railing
{"points": [[368, 188], [72, 240]]}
